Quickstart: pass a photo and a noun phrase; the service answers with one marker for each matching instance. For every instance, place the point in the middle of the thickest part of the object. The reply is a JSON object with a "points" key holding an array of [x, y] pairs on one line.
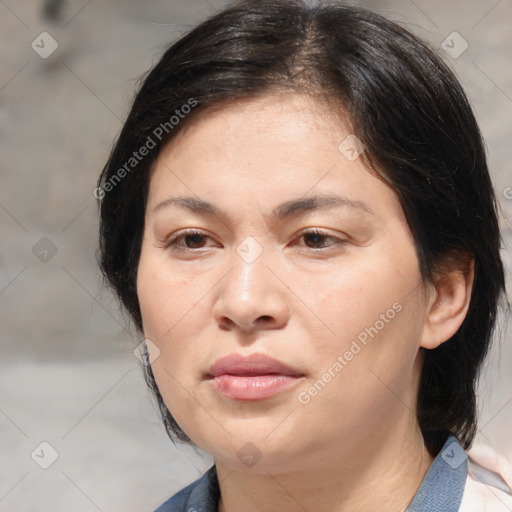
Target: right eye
{"points": [[189, 239]]}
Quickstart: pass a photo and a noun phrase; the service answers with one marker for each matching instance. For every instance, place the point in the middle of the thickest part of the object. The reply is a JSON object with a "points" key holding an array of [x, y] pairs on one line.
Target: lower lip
{"points": [[254, 387]]}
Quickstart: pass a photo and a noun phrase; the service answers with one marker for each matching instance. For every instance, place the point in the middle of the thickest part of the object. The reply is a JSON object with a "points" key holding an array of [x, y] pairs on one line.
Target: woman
{"points": [[299, 219]]}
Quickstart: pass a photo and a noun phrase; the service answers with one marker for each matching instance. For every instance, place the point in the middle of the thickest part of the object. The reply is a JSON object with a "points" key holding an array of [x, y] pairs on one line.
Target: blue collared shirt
{"points": [[440, 491]]}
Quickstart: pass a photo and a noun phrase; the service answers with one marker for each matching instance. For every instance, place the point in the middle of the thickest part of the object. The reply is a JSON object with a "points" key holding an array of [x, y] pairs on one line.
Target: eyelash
{"points": [[173, 243]]}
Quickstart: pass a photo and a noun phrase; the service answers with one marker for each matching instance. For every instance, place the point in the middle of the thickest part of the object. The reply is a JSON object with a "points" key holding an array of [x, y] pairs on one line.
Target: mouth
{"points": [[253, 377]]}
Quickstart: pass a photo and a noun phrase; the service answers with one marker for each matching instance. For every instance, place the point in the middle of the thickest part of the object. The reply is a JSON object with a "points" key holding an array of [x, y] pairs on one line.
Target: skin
{"points": [[356, 444]]}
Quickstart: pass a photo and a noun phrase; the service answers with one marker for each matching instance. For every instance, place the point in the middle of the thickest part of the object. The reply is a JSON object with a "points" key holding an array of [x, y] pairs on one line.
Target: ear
{"points": [[449, 300]]}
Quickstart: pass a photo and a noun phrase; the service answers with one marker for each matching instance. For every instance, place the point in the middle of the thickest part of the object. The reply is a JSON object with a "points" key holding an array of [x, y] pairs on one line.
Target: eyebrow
{"points": [[282, 211]]}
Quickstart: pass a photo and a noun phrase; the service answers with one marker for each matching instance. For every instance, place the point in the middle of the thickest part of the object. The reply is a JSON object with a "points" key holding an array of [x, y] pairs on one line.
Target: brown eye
{"points": [[187, 240], [194, 240], [317, 239]]}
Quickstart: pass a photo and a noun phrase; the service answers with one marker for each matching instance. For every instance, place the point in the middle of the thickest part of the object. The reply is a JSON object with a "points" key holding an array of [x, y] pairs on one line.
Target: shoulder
{"points": [[464, 482], [201, 495], [480, 497], [488, 482], [179, 501]]}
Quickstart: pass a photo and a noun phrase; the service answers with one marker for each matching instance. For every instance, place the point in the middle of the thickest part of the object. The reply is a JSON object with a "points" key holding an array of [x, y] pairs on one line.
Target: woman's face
{"points": [[343, 311]]}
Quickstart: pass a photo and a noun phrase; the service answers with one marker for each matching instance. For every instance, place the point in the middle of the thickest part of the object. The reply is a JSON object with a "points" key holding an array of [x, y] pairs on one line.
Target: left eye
{"points": [[317, 239]]}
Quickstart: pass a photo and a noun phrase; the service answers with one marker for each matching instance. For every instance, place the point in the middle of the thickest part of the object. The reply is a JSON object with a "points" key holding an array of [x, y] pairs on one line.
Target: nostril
{"points": [[226, 324]]}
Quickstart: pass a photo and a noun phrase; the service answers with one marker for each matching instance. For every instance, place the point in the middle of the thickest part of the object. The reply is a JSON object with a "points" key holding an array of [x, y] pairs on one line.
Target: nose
{"points": [[251, 297]]}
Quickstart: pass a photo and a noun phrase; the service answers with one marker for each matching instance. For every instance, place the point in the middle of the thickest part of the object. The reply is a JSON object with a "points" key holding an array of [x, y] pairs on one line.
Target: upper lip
{"points": [[253, 364]]}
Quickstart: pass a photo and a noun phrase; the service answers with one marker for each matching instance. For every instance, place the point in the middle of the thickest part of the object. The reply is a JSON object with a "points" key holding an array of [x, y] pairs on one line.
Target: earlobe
{"points": [[450, 303]]}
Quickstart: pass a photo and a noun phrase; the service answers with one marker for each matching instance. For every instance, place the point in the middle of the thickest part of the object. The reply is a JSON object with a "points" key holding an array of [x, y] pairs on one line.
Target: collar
{"points": [[443, 485]]}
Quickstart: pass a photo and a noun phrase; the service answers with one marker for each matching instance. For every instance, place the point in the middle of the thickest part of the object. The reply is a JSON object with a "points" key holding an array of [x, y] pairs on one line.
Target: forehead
{"points": [[260, 150], [242, 129]]}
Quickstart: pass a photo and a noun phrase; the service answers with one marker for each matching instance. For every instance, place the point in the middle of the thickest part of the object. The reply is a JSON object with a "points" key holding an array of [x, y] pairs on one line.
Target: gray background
{"points": [[68, 375]]}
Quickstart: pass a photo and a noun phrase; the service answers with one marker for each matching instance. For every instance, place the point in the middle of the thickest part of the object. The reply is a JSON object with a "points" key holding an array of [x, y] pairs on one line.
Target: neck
{"points": [[380, 472]]}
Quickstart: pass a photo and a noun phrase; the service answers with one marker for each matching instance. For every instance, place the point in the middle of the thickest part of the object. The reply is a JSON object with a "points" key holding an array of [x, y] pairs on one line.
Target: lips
{"points": [[253, 377], [254, 364]]}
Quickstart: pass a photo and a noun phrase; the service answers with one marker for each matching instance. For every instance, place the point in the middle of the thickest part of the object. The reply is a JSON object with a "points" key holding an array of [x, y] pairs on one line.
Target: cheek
{"points": [[166, 305], [361, 293], [165, 297], [174, 310], [374, 312]]}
